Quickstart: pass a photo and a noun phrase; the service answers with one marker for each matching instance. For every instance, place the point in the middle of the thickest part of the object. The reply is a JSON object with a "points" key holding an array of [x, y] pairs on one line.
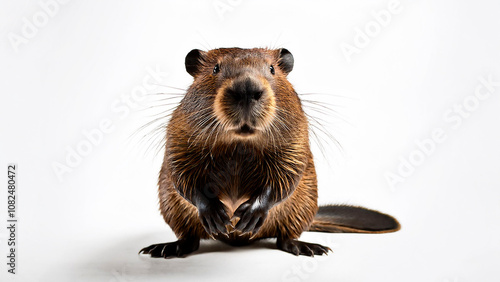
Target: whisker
{"points": [[168, 86], [325, 94], [166, 93]]}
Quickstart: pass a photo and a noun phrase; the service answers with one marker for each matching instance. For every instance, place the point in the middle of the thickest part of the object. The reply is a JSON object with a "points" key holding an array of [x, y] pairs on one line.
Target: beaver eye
{"points": [[216, 69], [271, 68]]}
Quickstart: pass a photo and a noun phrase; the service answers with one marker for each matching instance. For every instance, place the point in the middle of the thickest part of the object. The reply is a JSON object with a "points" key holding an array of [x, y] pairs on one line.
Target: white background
{"points": [[79, 64]]}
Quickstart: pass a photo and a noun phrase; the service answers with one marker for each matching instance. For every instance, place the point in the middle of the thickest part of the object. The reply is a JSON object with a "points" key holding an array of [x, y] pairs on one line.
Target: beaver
{"points": [[238, 166]]}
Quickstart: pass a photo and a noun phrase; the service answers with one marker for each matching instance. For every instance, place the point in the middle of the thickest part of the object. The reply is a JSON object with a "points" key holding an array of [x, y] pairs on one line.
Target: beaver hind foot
{"points": [[296, 247], [179, 248]]}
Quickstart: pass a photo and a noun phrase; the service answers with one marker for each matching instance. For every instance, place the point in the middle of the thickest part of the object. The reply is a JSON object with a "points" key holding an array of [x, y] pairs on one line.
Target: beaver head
{"points": [[242, 94]]}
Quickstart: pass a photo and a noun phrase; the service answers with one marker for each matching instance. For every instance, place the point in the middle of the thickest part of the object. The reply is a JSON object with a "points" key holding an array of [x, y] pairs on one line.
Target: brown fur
{"points": [[280, 153], [206, 149]]}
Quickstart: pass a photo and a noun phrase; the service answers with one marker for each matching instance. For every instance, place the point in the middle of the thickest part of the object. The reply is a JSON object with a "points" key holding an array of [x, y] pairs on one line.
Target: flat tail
{"points": [[352, 219]]}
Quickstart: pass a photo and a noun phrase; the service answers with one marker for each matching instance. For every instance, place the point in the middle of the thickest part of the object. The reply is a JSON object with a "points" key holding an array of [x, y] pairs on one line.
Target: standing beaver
{"points": [[238, 166]]}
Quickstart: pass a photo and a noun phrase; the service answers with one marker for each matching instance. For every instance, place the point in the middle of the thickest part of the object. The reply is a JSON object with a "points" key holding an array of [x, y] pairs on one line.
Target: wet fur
{"points": [[204, 155]]}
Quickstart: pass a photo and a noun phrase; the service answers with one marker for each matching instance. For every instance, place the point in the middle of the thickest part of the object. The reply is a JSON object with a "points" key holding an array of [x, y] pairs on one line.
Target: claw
{"points": [[302, 248], [178, 248]]}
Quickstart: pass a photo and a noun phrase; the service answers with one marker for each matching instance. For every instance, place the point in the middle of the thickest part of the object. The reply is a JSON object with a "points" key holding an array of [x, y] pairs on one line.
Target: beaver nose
{"points": [[245, 90]]}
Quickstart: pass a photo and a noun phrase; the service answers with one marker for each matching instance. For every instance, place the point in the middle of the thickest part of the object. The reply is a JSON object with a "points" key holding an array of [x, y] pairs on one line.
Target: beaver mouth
{"points": [[245, 130]]}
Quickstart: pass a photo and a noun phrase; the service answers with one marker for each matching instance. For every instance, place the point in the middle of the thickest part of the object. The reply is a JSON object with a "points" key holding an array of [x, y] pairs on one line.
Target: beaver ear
{"points": [[194, 60], [286, 61]]}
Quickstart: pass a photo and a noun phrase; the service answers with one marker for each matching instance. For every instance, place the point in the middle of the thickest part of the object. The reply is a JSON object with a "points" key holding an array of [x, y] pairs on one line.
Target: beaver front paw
{"points": [[213, 216], [252, 214]]}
